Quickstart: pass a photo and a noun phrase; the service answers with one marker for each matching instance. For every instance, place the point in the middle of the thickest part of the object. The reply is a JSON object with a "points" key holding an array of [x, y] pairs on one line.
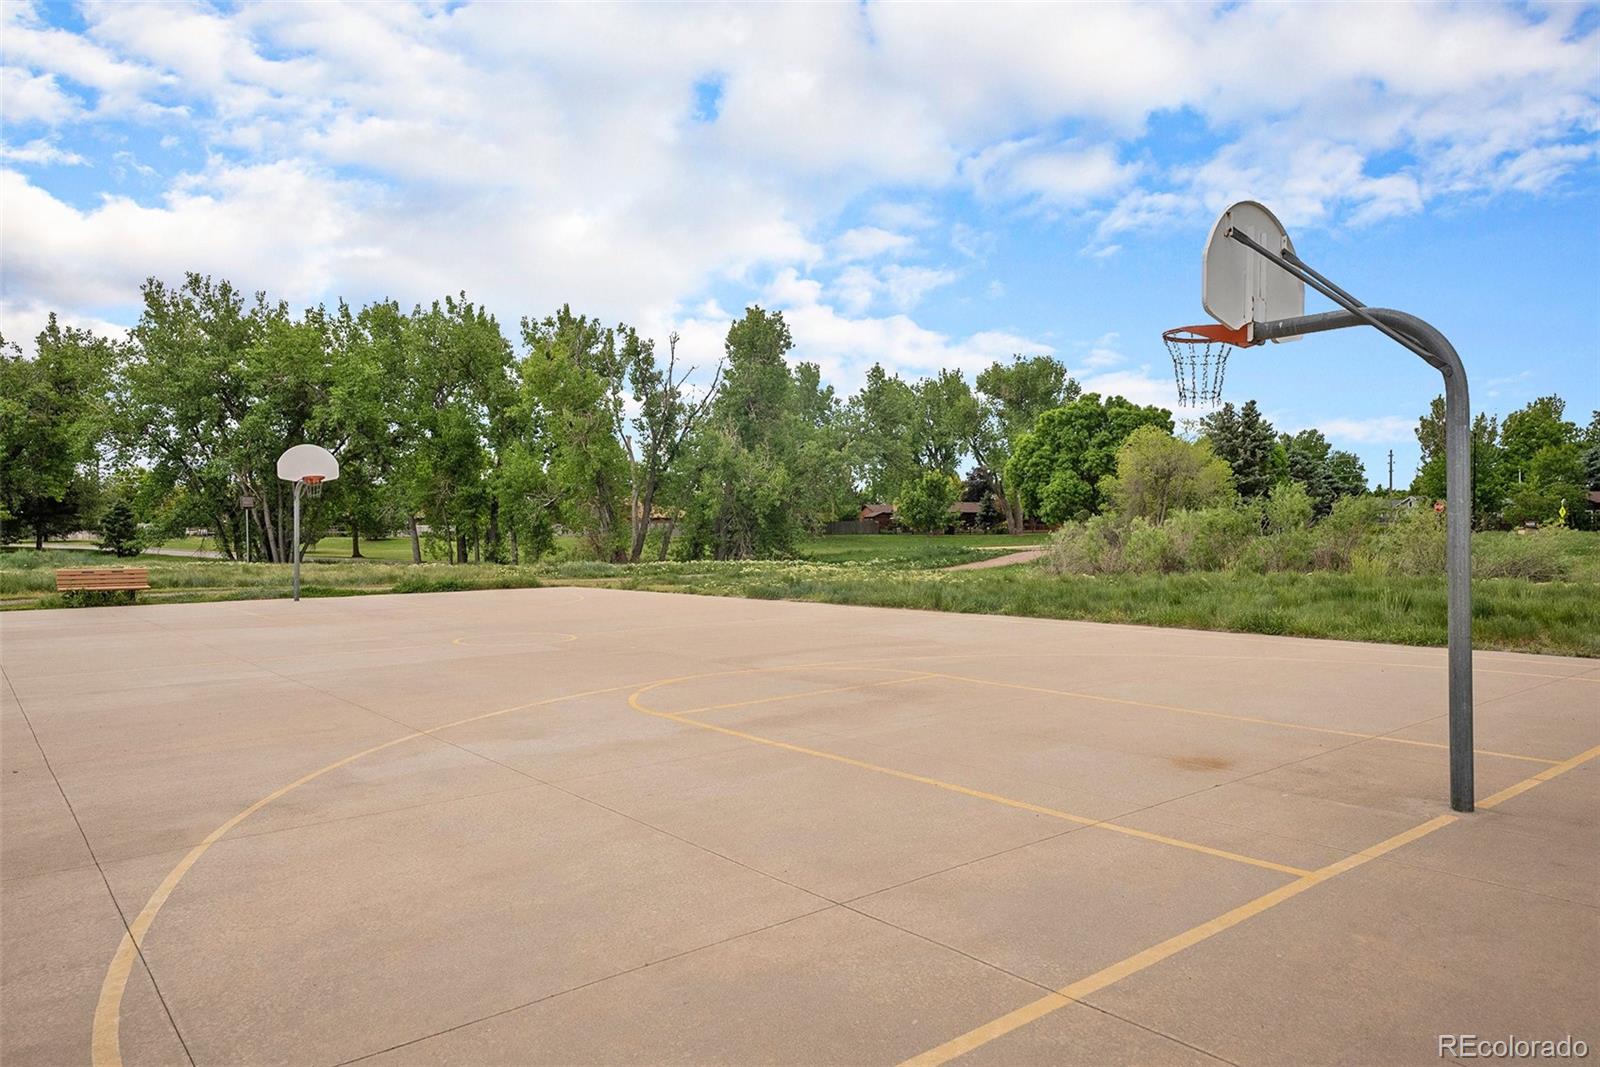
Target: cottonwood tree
{"points": [[668, 415], [768, 450], [53, 417], [573, 378], [1015, 395], [882, 415]]}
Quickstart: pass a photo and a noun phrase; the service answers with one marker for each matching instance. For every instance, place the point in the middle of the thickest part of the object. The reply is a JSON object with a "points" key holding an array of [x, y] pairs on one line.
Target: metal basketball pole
{"points": [[295, 547], [1427, 342]]}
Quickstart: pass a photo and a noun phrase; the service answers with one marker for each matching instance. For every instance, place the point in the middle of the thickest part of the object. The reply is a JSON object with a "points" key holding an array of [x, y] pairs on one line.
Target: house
{"points": [[880, 516]]}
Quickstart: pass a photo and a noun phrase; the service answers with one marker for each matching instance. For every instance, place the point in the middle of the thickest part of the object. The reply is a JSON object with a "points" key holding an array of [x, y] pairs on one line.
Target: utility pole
{"points": [[1391, 470]]}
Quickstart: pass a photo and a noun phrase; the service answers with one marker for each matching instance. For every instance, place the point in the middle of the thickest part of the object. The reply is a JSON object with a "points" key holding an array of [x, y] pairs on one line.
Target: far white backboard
{"points": [[307, 460], [1237, 284]]}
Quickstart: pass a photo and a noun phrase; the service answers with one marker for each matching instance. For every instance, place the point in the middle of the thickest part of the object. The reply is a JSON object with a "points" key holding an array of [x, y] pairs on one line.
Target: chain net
{"points": [[1198, 364]]}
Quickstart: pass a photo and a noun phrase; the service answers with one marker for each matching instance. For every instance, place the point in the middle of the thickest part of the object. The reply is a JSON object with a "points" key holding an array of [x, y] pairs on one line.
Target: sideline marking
{"points": [[107, 1046], [1139, 961], [1543, 776], [1232, 717], [995, 798]]}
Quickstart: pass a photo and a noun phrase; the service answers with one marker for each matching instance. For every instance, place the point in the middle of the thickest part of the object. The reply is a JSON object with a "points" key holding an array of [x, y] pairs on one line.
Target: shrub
{"points": [[1288, 507], [1211, 539], [1150, 549], [1413, 543], [1092, 547], [1347, 532], [1536, 557], [96, 598]]}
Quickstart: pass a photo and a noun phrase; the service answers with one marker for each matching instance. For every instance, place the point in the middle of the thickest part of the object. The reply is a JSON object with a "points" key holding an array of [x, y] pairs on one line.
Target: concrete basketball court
{"points": [[587, 826]]}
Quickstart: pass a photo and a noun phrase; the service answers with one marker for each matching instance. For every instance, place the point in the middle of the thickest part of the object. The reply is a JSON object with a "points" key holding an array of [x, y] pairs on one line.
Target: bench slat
{"points": [[102, 579]]}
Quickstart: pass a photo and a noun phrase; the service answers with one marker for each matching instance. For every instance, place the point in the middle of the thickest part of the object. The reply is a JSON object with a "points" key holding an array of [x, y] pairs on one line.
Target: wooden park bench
{"points": [[102, 579]]}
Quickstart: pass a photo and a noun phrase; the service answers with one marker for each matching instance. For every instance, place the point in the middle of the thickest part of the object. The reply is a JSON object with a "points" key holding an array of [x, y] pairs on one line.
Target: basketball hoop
{"points": [[1199, 359], [313, 483]]}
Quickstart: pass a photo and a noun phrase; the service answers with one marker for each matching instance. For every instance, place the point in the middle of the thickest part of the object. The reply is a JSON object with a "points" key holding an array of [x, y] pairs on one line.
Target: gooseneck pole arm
{"points": [[1433, 346]]}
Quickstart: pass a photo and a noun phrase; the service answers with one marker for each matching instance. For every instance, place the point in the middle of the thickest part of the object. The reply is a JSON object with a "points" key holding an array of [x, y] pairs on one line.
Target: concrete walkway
{"points": [[89, 546], [591, 826]]}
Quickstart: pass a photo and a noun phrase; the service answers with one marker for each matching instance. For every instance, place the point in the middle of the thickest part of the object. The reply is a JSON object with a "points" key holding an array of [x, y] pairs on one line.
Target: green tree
{"points": [[573, 377], [761, 445], [1158, 474], [1245, 440], [1346, 474], [1308, 453], [1056, 469], [924, 506], [1429, 482], [666, 420], [119, 530], [53, 416], [1540, 424], [948, 422], [885, 418], [1015, 395], [459, 392]]}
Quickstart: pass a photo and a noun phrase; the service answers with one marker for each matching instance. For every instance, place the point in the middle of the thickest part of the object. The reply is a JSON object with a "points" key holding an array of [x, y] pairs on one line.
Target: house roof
{"points": [[872, 511]]}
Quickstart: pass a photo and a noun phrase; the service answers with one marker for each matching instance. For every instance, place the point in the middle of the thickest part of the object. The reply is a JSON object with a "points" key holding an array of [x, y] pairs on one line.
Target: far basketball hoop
{"points": [[307, 466]]}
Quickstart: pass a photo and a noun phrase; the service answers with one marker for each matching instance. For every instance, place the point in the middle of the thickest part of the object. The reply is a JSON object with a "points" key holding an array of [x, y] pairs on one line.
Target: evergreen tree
{"points": [[119, 530], [1245, 440]]}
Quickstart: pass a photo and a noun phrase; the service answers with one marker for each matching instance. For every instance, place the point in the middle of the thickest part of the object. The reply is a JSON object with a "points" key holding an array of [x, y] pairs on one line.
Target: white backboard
{"points": [[1238, 285], [302, 460]]}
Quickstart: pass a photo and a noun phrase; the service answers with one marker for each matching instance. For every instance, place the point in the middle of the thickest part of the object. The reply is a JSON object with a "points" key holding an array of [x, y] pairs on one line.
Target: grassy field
{"points": [[1561, 617]]}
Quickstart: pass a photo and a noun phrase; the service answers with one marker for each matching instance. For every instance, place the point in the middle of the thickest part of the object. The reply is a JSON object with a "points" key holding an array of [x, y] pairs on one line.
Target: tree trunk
{"points": [[666, 538], [461, 547], [477, 547], [516, 557], [355, 542], [1013, 510], [416, 542], [38, 538], [641, 525]]}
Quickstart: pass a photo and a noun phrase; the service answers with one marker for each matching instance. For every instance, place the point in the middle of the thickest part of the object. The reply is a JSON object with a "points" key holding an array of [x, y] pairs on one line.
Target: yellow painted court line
{"points": [[952, 787], [1543, 776], [1153, 955], [1226, 715], [106, 1050], [807, 693]]}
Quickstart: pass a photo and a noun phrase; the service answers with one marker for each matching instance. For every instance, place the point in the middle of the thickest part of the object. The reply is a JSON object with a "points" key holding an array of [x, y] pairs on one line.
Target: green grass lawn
{"points": [[1561, 617]]}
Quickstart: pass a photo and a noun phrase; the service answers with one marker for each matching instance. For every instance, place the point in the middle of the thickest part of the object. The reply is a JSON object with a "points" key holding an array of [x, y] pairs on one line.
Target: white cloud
{"points": [[869, 242], [41, 152], [538, 155], [1377, 430]]}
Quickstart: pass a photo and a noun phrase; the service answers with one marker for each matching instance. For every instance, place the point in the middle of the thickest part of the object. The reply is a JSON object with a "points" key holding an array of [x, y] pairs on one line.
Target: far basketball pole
{"points": [[305, 465]]}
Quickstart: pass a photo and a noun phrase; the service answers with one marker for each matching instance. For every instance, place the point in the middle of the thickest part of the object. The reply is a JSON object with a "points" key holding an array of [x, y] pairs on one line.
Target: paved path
{"points": [[85, 546], [594, 826], [1026, 555]]}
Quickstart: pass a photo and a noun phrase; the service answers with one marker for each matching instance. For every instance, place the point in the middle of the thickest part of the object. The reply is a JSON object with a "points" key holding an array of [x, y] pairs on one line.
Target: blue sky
{"points": [[924, 186]]}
